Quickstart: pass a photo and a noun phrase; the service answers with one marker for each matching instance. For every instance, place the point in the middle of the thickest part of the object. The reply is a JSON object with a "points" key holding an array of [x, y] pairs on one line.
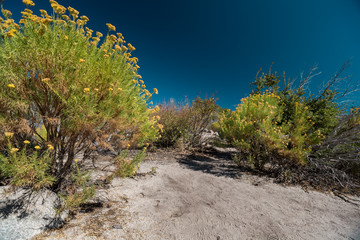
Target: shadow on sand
{"points": [[216, 162]]}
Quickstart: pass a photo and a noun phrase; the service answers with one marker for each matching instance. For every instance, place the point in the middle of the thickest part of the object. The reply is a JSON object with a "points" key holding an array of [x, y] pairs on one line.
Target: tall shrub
{"points": [[81, 89]]}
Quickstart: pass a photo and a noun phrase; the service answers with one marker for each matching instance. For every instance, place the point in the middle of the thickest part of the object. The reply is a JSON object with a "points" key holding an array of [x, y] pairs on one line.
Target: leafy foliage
{"points": [[80, 90], [255, 127], [26, 168]]}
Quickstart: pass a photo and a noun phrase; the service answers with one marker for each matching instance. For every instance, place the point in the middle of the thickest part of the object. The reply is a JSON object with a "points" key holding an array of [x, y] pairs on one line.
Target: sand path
{"points": [[208, 198]]}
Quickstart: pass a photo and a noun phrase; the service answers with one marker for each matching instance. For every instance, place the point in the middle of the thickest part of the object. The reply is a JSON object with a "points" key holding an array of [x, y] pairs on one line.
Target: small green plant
{"points": [[126, 167], [25, 167], [75, 197]]}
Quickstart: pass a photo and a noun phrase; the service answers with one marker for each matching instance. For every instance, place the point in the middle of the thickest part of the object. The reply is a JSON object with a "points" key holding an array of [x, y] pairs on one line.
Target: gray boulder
{"points": [[24, 213]]}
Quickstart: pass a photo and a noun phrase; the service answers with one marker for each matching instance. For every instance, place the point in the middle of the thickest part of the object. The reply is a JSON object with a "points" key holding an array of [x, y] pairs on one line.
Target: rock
{"points": [[24, 213], [117, 226]]}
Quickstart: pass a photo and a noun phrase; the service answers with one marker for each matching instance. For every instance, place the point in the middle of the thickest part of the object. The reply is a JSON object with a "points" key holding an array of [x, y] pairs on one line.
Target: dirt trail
{"points": [[208, 198]]}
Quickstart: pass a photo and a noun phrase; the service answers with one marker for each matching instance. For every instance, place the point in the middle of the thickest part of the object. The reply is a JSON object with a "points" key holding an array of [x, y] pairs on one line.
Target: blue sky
{"points": [[200, 47]]}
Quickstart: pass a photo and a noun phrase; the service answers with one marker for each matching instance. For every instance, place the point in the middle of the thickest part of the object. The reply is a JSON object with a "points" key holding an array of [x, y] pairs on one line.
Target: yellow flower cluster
{"points": [[14, 150], [45, 80], [28, 2], [11, 33], [11, 85], [111, 27], [9, 134], [59, 9], [131, 47], [6, 13]]}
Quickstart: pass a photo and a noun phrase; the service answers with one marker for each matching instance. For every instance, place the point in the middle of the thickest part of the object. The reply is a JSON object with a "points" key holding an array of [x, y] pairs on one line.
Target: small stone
{"points": [[117, 226]]}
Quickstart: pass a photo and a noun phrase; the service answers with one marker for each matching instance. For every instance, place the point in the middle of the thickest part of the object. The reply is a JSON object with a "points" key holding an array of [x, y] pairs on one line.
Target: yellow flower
{"points": [[50, 147], [81, 60], [99, 34], [96, 89], [84, 18], [37, 147], [26, 142], [66, 17], [86, 90], [45, 80], [156, 91], [120, 89], [96, 39], [11, 85], [73, 12], [14, 150], [128, 145], [111, 27], [66, 37], [158, 117], [6, 13], [131, 47], [9, 134], [110, 89], [29, 2], [76, 160], [117, 47], [11, 33]]}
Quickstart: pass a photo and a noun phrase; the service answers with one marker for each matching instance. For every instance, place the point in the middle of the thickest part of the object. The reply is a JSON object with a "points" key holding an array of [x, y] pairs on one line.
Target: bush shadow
{"points": [[216, 162]]}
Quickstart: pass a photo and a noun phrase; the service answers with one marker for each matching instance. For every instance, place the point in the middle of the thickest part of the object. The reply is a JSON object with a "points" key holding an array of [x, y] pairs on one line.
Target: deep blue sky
{"points": [[200, 47]]}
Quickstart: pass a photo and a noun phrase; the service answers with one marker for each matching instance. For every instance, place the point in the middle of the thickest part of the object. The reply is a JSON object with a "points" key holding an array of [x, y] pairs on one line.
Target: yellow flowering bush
{"points": [[81, 90], [255, 128]]}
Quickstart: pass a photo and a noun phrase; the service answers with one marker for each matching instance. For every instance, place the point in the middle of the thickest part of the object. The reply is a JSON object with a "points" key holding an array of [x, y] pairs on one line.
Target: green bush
{"points": [[255, 128], [81, 90], [323, 109]]}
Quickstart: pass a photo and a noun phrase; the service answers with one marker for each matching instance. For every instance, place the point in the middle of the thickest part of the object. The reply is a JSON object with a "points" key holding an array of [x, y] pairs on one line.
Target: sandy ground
{"points": [[209, 198]]}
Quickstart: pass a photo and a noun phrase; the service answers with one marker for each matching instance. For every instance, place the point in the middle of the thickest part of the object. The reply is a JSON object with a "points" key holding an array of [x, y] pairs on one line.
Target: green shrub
{"points": [[255, 128], [80, 90], [323, 109]]}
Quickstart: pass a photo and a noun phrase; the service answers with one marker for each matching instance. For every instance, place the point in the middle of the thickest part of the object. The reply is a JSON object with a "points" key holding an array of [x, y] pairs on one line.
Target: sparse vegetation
{"points": [[183, 124]]}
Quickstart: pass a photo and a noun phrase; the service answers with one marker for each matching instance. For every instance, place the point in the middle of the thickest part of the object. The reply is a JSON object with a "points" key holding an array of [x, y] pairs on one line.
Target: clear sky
{"points": [[200, 47]]}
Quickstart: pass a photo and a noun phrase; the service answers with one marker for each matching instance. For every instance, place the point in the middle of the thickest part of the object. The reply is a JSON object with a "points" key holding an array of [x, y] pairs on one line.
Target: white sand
{"points": [[185, 202]]}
